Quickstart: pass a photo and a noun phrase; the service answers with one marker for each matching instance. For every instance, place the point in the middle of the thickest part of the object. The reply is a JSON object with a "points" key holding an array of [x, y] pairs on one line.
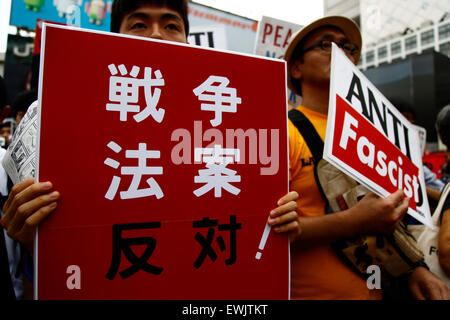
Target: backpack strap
{"points": [[344, 248], [314, 143], [309, 133]]}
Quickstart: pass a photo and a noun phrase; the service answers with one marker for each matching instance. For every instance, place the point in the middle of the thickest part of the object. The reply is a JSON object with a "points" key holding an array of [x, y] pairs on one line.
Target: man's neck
{"points": [[316, 99]]}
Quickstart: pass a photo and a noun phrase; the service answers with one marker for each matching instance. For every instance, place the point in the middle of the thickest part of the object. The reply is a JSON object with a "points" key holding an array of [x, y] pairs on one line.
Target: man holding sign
{"points": [[317, 271], [30, 203]]}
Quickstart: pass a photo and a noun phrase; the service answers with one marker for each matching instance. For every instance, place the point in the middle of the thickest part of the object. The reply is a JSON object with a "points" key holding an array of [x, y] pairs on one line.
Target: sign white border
{"points": [[40, 92], [340, 64]]}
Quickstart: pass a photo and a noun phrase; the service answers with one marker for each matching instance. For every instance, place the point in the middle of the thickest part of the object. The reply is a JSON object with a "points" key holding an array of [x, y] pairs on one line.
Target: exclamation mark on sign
{"points": [[262, 243]]}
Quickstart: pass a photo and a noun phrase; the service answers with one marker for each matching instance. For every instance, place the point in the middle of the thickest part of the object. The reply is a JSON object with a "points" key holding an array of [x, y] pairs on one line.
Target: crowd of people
{"points": [[317, 270]]}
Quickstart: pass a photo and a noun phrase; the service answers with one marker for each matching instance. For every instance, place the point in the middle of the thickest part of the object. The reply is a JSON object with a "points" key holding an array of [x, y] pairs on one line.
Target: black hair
{"points": [[5, 124], [443, 125], [122, 7], [23, 101], [3, 95], [298, 55]]}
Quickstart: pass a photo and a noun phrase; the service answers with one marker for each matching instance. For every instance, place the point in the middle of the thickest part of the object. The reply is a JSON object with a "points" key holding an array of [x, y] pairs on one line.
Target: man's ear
{"points": [[295, 70]]}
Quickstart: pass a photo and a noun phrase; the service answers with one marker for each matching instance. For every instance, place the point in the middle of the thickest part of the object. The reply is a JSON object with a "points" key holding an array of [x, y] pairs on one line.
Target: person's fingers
{"points": [[402, 209], [290, 206], [396, 198], [446, 293], [28, 229], [22, 193], [288, 227], [415, 290], [19, 187], [434, 292], [443, 292], [283, 219], [34, 220], [33, 191], [31, 208], [371, 194], [21, 196], [291, 196], [31, 223]]}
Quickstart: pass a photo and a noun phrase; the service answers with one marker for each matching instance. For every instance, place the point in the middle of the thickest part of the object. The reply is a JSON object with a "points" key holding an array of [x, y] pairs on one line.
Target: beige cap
{"points": [[348, 26]]}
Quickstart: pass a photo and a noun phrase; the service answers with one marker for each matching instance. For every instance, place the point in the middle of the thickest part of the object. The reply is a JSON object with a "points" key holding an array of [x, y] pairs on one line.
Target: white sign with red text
{"points": [[370, 140]]}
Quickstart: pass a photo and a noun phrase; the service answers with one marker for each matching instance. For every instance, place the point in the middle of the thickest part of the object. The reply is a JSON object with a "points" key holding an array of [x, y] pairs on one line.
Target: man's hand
{"points": [[28, 204], [284, 218], [375, 215], [425, 285], [371, 215]]}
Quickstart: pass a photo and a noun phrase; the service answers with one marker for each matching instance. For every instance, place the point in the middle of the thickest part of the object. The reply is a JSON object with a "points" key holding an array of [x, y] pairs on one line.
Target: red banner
{"points": [[168, 159]]}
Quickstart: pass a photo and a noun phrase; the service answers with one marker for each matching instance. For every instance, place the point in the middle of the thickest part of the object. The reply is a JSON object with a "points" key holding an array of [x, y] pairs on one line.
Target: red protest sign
{"points": [[168, 160], [37, 38]]}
